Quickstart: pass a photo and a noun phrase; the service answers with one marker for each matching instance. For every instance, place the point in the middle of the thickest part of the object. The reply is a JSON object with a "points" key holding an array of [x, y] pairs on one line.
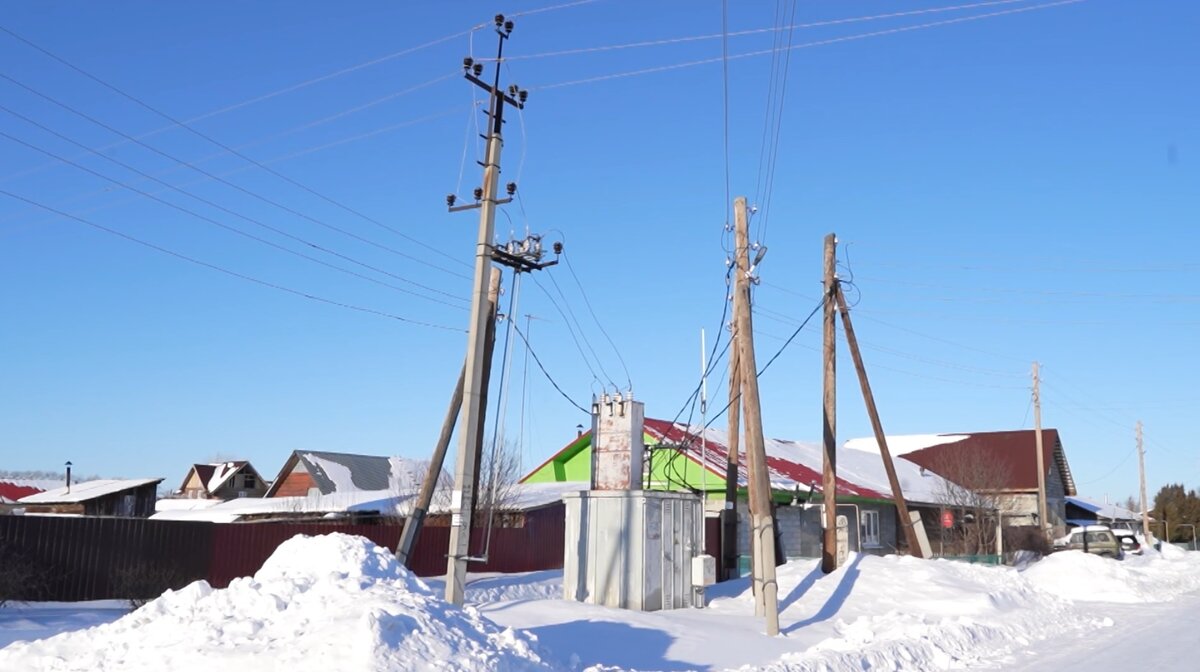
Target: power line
{"points": [[547, 373], [773, 156], [806, 45], [233, 185], [570, 330], [725, 102], [243, 233], [212, 204], [770, 361], [235, 274], [599, 324], [570, 314], [755, 31], [184, 125], [277, 159]]}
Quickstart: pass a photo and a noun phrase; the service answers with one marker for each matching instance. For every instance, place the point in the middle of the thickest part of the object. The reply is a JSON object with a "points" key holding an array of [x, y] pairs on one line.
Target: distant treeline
{"points": [[39, 475]]}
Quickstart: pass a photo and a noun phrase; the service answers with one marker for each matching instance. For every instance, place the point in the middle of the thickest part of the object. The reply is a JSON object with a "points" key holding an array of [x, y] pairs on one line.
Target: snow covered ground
{"points": [[339, 603]]}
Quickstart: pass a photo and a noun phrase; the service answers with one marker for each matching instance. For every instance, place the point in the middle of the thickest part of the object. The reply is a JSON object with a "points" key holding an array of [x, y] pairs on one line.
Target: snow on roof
{"points": [[82, 492], [904, 444], [523, 496], [13, 489], [346, 472], [1104, 510], [794, 463], [222, 472], [184, 504]]}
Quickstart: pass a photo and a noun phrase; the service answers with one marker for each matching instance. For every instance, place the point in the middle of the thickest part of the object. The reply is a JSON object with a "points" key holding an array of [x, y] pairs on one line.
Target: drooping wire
{"points": [[570, 314], [770, 361], [219, 269], [570, 330], [599, 324], [538, 361]]}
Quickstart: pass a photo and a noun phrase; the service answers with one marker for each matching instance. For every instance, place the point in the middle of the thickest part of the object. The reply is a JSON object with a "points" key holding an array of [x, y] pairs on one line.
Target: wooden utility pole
{"points": [[416, 518], [462, 499], [906, 521], [763, 527], [829, 560], [1142, 485], [729, 515], [1043, 520]]}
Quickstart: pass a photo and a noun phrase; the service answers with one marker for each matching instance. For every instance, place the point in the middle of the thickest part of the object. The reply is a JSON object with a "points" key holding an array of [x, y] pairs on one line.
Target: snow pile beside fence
{"points": [[1153, 577], [334, 602]]}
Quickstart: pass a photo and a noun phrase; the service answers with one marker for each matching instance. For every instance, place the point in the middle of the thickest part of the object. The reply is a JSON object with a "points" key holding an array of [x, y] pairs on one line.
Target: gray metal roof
{"points": [[331, 471]]}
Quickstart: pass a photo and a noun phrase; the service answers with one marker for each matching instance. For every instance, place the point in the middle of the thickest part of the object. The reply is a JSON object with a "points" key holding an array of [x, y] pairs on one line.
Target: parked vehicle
{"points": [[1096, 539], [1129, 543]]}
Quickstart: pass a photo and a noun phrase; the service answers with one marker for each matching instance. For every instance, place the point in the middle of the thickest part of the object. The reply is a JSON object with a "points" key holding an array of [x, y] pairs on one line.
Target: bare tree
{"points": [[971, 488], [499, 473]]}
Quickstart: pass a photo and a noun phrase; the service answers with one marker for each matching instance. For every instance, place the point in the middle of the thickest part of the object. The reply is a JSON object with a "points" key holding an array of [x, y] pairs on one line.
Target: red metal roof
{"points": [[11, 492], [1014, 451], [778, 467]]}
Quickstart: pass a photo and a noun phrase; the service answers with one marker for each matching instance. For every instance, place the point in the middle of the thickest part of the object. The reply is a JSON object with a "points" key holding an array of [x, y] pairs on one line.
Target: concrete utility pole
{"points": [[463, 496], [1142, 484], [763, 527], [416, 519], [1043, 520], [829, 414], [906, 521]]}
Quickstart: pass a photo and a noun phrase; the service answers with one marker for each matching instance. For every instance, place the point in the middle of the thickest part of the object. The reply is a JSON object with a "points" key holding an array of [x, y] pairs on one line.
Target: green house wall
{"points": [[574, 464]]}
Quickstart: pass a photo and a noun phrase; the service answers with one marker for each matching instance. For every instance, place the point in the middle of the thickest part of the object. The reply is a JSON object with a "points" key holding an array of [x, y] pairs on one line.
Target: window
{"points": [[869, 535], [248, 481]]}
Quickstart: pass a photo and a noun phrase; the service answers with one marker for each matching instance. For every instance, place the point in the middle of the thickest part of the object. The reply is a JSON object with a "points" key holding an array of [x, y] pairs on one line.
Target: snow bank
{"points": [[333, 602], [1152, 577], [898, 612]]}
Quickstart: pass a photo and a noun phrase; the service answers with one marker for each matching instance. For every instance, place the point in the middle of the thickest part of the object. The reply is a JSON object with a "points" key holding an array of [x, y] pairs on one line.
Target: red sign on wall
{"points": [[947, 519]]}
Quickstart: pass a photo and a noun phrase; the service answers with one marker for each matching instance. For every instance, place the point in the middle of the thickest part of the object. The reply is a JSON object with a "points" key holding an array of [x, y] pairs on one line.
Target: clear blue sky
{"points": [[1017, 187]]}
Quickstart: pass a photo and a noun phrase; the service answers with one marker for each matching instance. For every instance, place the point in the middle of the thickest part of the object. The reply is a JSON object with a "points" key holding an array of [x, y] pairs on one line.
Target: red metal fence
{"points": [[93, 558]]}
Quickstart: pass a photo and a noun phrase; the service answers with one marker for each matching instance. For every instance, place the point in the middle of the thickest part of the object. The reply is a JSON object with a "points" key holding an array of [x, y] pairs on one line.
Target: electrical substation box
{"points": [[633, 549]]}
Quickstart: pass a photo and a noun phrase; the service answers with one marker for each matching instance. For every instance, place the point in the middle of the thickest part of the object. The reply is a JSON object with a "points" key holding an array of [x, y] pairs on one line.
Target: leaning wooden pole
{"points": [[829, 559], [763, 528], [416, 518], [729, 515], [906, 522]]}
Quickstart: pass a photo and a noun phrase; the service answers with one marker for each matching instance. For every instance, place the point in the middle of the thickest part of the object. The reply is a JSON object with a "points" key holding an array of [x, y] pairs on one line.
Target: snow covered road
{"points": [[1158, 637]]}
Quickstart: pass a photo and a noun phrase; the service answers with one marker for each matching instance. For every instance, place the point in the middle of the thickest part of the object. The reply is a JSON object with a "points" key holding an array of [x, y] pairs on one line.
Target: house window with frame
{"points": [[869, 529], [248, 481]]}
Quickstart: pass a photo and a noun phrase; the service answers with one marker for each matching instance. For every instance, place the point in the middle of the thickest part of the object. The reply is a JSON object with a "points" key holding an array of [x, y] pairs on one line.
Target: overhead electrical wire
{"points": [[773, 119], [571, 330], [754, 31], [226, 271], [200, 134], [222, 208], [570, 315], [243, 167], [805, 45], [308, 82], [546, 373], [600, 325], [233, 185]]}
